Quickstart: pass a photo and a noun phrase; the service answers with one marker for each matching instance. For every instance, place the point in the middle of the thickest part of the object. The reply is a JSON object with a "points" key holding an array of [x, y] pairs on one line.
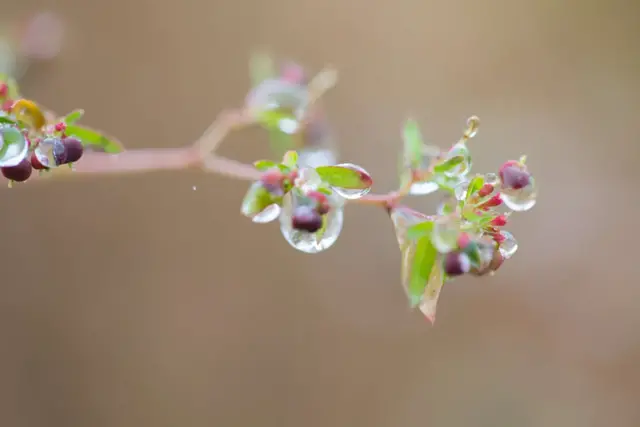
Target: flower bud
{"points": [[514, 175]]}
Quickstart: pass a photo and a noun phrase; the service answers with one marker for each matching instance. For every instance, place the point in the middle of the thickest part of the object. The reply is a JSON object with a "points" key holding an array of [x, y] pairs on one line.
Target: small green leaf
{"points": [[290, 159], [343, 177], [423, 261], [420, 230], [93, 139], [473, 252], [475, 185], [324, 190], [261, 68], [431, 294], [6, 118], [320, 233], [413, 144], [264, 165], [448, 164], [73, 117], [256, 200]]}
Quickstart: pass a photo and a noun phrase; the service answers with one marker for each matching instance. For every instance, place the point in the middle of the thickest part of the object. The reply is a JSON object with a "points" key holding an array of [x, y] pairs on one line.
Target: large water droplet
{"points": [[13, 146], [428, 186], [520, 200], [50, 152], [352, 194], [314, 158], [509, 246], [445, 235], [270, 213], [311, 242], [462, 169]]}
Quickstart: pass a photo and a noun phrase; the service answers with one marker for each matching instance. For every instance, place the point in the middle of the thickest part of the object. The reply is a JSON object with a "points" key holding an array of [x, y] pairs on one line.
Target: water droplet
{"points": [[13, 146], [509, 246], [520, 200], [312, 242], [447, 207], [461, 190], [270, 213], [50, 152], [316, 158], [284, 98], [473, 124], [350, 193], [308, 179], [194, 188], [491, 178], [462, 169], [428, 186], [445, 235]]}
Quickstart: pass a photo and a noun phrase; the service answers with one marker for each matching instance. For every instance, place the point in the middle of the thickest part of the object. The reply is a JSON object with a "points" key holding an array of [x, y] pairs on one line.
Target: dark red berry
{"points": [[73, 148], [456, 264], [514, 175], [35, 162], [306, 219], [18, 173]]}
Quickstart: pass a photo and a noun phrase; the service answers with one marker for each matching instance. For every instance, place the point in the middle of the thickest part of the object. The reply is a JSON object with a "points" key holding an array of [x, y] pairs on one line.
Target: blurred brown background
{"points": [[136, 301]]}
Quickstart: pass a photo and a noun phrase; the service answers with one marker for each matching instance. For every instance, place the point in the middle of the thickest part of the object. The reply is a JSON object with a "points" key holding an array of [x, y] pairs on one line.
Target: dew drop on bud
{"points": [[461, 170], [445, 235], [270, 213], [50, 152], [522, 199], [509, 246], [311, 242], [353, 194], [473, 124], [13, 146]]}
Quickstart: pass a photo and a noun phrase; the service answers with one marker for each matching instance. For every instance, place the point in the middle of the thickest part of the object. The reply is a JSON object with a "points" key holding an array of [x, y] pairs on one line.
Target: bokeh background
{"points": [[137, 301]]}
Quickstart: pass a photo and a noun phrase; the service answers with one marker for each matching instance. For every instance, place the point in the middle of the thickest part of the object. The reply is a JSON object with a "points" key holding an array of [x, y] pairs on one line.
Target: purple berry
{"points": [[73, 148], [514, 175], [18, 173], [306, 219], [456, 264]]}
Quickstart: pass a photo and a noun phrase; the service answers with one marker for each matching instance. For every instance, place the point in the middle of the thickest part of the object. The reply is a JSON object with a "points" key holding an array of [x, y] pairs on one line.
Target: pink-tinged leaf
{"points": [[432, 293]]}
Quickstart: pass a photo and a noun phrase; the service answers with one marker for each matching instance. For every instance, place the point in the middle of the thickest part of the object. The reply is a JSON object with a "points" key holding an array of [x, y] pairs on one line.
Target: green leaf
{"points": [[73, 117], [94, 139], [413, 144], [473, 252], [261, 68], [290, 159], [11, 136], [448, 164], [324, 190], [475, 185], [432, 291], [264, 165], [343, 177], [423, 261], [420, 230], [256, 200], [6, 118]]}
